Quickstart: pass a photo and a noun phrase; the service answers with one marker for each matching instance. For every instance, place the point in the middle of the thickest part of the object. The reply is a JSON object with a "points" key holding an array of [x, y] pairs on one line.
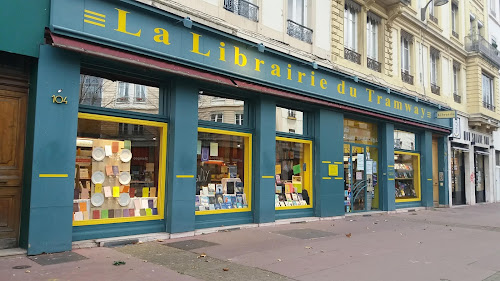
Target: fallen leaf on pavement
{"points": [[202, 255], [279, 259], [308, 247], [118, 263], [27, 271], [225, 269], [348, 235]]}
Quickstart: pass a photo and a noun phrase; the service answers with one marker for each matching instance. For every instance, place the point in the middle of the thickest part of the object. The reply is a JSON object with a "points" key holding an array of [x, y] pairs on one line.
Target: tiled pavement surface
{"points": [[441, 244]]}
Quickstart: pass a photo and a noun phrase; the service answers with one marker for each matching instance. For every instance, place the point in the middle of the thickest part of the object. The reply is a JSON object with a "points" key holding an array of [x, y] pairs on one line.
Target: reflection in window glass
{"points": [[407, 175], [101, 92], [293, 174], [289, 121], [222, 182], [360, 132], [404, 140], [116, 171], [217, 109]]}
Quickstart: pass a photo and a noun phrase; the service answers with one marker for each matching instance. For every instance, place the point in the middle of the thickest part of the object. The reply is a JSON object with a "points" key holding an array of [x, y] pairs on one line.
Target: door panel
{"points": [[435, 178], [13, 116]]}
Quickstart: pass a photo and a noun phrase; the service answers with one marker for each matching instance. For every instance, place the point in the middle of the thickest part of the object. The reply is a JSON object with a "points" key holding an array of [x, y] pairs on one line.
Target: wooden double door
{"points": [[13, 103]]}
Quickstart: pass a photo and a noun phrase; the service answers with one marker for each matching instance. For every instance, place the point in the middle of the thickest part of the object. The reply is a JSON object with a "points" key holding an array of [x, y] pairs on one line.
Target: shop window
{"points": [[222, 110], [289, 121], [119, 177], [105, 93], [407, 176], [404, 140], [497, 157], [293, 182], [223, 172], [360, 132]]}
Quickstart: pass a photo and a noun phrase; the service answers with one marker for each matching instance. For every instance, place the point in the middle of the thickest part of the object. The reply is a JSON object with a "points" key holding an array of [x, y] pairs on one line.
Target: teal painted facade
{"points": [[47, 208]]}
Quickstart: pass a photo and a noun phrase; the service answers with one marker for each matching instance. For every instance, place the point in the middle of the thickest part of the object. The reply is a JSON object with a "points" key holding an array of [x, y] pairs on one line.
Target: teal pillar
{"points": [[52, 139], [444, 198], [387, 193], [181, 149], [426, 168], [265, 160], [328, 150]]}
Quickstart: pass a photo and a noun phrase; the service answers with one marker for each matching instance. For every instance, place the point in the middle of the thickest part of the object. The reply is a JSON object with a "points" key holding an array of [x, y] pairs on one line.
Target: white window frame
{"points": [[238, 118], [217, 117], [350, 29], [434, 69], [488, 89], [372, 39], [295, 15], [454, 16], [456, 74], [405, 47], [140, 92], [123, 92]]}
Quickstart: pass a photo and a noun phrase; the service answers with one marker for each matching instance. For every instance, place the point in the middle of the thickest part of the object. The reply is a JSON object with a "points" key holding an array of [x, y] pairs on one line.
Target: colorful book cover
{"points": [[295, 197], [104, 214], [239, 205], [197, 201], [131, 212], [279, 189], [288, 197], [300, 197], [211, 199], [218, 206], [96, 214], [219, 198], [211, 206], [211, 189], [297, 187], [227, 199], [126, 213], [155, 211], [204, 200], [219, 189], [238, 188]]}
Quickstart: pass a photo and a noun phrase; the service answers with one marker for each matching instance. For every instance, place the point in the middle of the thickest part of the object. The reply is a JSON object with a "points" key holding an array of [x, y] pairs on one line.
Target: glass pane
{"points": [[221, 181], [359, 184], [372, 189], [406, 176], [293, 174], [101, 92], [289, 120], [404, 140], [116, 171], [347, 178], [360, 132], [217, 109]]}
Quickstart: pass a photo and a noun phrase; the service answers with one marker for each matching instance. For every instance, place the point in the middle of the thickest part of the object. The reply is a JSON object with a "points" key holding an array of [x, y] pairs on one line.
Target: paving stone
{"points": [[191, 244], [56, 258], [305, 233]]}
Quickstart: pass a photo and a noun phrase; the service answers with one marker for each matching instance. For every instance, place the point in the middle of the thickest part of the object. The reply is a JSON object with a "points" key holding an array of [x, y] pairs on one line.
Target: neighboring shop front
{"points": [[164, 125]]}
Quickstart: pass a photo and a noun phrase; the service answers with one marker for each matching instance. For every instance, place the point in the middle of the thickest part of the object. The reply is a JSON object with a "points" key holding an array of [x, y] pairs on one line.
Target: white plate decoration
{"points": [[98, 177], [124, 178], [125, 155], [97, 199], [98, 154], [124, 199]]}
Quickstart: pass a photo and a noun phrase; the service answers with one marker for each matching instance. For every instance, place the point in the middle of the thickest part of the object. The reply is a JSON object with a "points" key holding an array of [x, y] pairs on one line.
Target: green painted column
{"points": [[328, 150], [386, 182], [264, 152], [181, 156], [51, 132], [426, 168], [444, 198]]}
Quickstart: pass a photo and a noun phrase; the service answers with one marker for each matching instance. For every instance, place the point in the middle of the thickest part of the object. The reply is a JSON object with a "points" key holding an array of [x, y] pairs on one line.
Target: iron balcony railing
{"points": [[406, 77], [433, 18], [454, 33], [457, 98], [476, 43], [352, 56], [299, 31], [243, 8], [489, 106], [435, 89], [373, 64]]}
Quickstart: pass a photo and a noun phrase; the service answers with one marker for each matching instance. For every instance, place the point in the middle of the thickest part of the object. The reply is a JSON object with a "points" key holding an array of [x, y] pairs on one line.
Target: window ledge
{"points": [[434, 25], [456, 40]]}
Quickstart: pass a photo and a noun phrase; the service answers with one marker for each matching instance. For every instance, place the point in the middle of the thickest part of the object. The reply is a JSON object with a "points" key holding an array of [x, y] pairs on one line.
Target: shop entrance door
{"points": [[480, 180], [458, 177], [435, 178], [12, 128], [360, 174]]}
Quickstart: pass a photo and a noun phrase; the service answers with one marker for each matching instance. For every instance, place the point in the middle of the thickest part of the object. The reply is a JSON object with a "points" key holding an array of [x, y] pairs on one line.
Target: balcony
{"points": [[299, 31], [435, 89], [373, 64], [406, 77], [489, 106], [477, 44], [454, 33], [243, 8], [457, 98], [433, 19], [351, 55]]}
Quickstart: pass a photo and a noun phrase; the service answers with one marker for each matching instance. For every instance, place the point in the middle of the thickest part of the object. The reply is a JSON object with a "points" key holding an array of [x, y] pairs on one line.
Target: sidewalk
{"points": [[441, 244]]}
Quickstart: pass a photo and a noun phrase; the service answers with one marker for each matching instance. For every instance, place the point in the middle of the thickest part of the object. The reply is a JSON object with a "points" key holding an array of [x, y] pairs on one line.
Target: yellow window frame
{"points": [[307, 175], [416, 178], [161, 168], [247, 138]]}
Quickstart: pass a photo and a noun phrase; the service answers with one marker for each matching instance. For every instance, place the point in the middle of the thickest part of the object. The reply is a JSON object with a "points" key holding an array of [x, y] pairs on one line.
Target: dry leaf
{"points": [[308, 247], [279, 259], [27, 271], [202, 255], [348, 235], [225, 269], [160, 240]]}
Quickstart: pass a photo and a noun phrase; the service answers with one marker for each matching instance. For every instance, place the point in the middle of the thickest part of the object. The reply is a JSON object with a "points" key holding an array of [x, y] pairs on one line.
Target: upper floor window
{"points": [[90, 90], [140, 93], [493, 7], [432, 13], [123, 92], [351, 11], [454, 19], [289, 120], [456, 77], [488, 92], [298, 20], [219, 109], [216, 117], [406, 42], [238, 119], [434, 70], [245, 8], [372, 26]]}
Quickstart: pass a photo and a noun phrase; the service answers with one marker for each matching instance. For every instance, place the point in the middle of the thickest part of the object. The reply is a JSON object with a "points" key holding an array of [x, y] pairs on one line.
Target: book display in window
{"points": [[404, 179]]}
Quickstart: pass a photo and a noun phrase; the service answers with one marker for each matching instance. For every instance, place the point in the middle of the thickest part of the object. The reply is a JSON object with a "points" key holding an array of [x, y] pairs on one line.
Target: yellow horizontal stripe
{"points": [[339, 163], [326, 178], [95, 14], [94, 18], [185, 176], [267, 177], [391, 179], [326, 162], [338, 178], [429, 179], [53, 175], [391, 166], [94, 23]]}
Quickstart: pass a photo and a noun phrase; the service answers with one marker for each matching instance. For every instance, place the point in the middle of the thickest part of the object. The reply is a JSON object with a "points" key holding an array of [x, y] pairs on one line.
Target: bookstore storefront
{"points": [[147, 122]]}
